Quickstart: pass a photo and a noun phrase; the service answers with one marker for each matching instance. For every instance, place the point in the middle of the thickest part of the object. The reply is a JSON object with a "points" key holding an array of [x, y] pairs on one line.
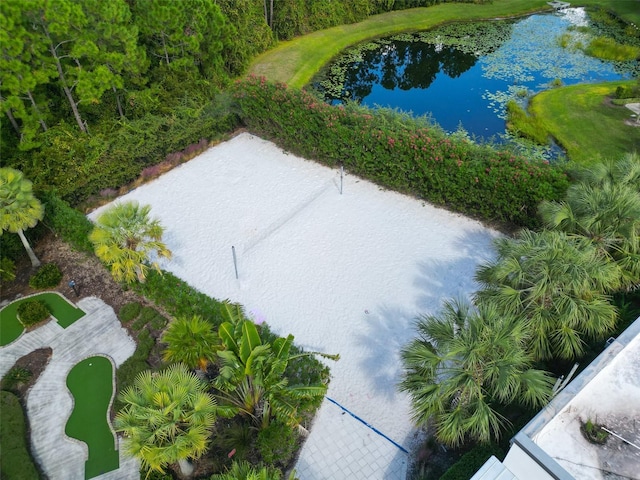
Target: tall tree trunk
{"points": [[32, 256], [65, 87], [266, 13], [164, 46], [186, 469], [118, 103], [13, 122], [271, 16], [37, 110]]}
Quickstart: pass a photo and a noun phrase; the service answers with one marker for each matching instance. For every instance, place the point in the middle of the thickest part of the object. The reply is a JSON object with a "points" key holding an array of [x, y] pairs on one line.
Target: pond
{"points": [[462, 75]]}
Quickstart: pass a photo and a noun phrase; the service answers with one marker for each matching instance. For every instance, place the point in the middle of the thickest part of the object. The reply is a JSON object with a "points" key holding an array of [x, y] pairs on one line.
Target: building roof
{"points": [[606, 393]]}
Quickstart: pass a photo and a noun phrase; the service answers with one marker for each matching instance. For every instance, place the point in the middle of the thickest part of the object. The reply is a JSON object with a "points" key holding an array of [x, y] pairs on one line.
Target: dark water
{"points": [[464, 87]]}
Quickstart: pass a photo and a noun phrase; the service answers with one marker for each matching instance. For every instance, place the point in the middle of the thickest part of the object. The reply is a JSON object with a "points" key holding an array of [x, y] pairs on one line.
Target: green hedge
{"points": [[471, 461], [17, 463], [77, 166], [178, 298], [73, 226], [403, 153]]}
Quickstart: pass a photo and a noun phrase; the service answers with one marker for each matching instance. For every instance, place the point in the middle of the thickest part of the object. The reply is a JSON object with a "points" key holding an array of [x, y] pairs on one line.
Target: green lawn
{"points": [[15, 461], [584, 124], [62, 310], [296, 61], [91, 384]]}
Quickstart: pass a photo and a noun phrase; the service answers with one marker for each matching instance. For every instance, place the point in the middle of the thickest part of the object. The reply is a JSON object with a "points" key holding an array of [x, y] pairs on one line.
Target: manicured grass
{"points": [[296, 61], [91, 384], [584, 124], [63, 311], [15, 461]]}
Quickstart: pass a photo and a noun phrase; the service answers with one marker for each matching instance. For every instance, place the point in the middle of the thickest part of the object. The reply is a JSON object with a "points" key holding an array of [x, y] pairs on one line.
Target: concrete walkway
{"points": [[49, 403], [342, 447]]}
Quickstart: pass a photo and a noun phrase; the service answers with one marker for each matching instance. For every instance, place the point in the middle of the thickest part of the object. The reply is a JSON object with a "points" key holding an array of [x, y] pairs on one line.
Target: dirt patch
{"points": [[91, 277]]}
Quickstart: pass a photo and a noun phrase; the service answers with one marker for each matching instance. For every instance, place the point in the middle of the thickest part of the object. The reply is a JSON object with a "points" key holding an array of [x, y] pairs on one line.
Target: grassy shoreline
{"points": [[294, 62], [584, 123]]}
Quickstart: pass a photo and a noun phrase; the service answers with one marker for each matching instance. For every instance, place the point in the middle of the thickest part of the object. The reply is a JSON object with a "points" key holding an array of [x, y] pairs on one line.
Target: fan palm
{"points": [[168, 417], [19, 208], [463, 365], [604, 206], [555, 283], [252, 380], [124, 238], [191, 341]]}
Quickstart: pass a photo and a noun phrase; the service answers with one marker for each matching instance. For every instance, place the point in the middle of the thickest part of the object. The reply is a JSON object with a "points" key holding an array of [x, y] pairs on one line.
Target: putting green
{"points": [[61, 309], [91, 384]]}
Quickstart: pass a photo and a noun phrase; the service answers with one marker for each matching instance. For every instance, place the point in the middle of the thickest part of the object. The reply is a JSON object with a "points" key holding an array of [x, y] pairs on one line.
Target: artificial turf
{"points": [[91, 384], [61, 309]]}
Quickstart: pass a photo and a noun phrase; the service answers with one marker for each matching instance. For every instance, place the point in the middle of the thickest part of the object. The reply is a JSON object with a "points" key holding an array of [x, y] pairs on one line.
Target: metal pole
{"points": [[341, 176], [235, 260]]}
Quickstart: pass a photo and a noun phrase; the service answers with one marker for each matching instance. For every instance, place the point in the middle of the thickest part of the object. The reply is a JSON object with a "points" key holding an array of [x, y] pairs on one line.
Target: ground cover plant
{"points": [[402, 153], [13, 437], [91, 385], [580, 119]]}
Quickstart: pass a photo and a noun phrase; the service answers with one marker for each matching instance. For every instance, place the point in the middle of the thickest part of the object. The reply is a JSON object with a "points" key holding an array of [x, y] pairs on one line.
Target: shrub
{"points": [[47, 276], [73, 226], [277, 444], [147, 314], [32, 312], [16, 376], [17, 463], [129, 312], [471, 461], [135, 364], [7, 269], [627, 91], [402, 153], [178, 298]]}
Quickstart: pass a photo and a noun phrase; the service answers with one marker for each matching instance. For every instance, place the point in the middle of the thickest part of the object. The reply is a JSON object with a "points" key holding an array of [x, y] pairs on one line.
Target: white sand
{"points": [[343, 273]]}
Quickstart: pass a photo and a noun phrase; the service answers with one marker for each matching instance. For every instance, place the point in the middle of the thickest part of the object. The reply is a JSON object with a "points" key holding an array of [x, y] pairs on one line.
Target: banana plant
{"points": [[252, 374]]}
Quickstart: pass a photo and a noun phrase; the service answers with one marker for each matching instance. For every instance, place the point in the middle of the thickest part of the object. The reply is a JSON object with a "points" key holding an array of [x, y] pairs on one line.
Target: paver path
{"points": [[49, 402]]}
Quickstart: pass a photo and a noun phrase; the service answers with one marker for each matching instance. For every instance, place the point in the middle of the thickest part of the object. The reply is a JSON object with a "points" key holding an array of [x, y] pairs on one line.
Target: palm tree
{"points": [[604, 206], [19, 208], [464, 364], [167, 418], [191, 341], [124, 237], [555, 283], [252, 379]]}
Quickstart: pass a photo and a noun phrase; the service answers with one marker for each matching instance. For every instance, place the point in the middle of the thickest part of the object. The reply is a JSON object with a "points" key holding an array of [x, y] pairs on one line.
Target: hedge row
{"points": [[400, 152], [77, 166]]}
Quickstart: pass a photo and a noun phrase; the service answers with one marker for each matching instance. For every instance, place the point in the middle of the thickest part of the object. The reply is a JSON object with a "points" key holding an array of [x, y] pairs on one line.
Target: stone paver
{"points": [[343, 448], [49, 403]]}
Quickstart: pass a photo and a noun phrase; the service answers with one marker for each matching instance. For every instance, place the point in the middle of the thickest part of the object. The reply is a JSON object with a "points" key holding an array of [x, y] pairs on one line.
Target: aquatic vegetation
{"points": [[477, 38], [496, 61], [609, 49]]}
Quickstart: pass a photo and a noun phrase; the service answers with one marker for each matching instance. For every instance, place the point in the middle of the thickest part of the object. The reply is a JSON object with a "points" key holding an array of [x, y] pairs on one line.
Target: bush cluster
{"points": [[400, 152], [32, 312], [69, 223], [471, 461], [129, 312], [16, 376], [47, 276]]}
